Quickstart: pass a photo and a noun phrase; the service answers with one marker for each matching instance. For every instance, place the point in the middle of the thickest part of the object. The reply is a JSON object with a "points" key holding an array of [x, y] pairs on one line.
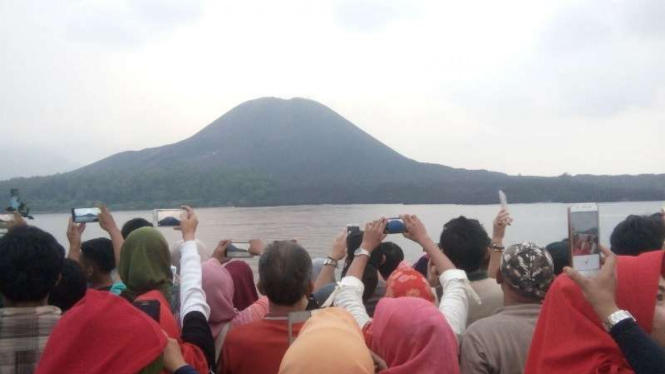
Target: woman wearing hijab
{"points": [[219, 289], [244, 288], [571, 338], [406, 281], [89, 339], [328, 343], [145, 269]]}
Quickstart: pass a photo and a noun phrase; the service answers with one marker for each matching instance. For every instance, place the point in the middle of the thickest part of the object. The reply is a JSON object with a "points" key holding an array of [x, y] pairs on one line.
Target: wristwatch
{"points": [[617, 317], [497, 248], [361, 252], [330, 262]]}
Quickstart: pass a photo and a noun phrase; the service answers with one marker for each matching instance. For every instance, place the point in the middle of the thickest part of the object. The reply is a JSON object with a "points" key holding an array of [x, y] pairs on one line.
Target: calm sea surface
{"points": [[315, 227]]}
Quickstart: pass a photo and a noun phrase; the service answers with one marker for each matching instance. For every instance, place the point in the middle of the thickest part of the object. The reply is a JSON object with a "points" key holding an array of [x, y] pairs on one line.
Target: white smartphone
{"points": [[85, 215], [503, 200], [166, 217], [584, 236]]}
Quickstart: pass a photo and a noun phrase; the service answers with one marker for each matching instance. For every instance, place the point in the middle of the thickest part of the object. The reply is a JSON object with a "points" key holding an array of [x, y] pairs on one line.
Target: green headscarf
{"points": [[145, 264], [155, 367]]}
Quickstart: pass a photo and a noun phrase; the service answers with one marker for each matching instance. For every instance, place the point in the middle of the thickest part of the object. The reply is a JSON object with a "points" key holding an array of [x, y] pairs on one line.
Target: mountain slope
{"points": [[271, 151]]}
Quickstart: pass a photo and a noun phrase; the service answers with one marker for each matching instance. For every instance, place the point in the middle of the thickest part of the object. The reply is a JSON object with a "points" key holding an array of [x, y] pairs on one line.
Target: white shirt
{"points": [[192, 297], [454, 302]]}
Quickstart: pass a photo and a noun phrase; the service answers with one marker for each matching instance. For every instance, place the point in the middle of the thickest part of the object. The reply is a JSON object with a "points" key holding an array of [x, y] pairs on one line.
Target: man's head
{"points": [[638, 234], [285, 270], [466, 243], [97, 258], [526, 272], [71, 288], [392, 256], [134, 224], [560, 252], [30, 265]]}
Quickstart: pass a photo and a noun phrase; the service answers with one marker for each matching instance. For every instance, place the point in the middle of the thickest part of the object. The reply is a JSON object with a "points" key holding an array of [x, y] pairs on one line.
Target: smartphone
{"points": [[584, 234], [149, 307], [352, 228], [166, 217], [395, 226], [85, 215], [238, 250], [503, 200]]}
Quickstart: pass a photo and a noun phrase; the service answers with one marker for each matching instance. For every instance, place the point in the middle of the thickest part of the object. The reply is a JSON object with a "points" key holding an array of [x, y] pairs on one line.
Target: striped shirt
{"points": [[23, 336]]}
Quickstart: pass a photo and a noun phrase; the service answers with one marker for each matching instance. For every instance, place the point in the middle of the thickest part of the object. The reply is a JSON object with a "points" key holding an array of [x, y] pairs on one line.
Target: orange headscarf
{"points": [[330, 342], [570, 338]]}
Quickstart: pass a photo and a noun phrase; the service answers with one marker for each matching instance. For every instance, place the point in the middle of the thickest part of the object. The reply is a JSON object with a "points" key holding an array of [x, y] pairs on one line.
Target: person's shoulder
{"points": [[247, 332]]}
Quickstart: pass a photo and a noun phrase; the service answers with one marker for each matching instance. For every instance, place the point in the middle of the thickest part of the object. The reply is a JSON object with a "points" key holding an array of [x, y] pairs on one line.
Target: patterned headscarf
{"points": [[528, 269], [406, 281]]}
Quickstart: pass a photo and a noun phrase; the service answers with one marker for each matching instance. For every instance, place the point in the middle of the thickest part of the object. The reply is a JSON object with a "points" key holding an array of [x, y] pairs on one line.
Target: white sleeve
{"points": [[455, 302], [349, 296], [192, 297]]}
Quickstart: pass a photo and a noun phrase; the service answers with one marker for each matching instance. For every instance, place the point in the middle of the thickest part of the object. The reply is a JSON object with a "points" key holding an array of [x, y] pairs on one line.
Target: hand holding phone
{"points": [[395, 226], [85, 215], [584, 234], [167, 217], [238, 250]]}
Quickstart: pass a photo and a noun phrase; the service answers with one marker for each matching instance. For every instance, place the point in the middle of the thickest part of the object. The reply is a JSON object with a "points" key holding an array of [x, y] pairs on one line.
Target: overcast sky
{"points": [[530, 87]]}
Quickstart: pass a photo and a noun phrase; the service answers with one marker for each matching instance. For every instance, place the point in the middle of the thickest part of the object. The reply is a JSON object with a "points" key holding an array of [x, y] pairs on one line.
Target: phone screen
{"points": [[238, 250], [85, 215], [584, 239], [149, 307], [395, 226], [166, 217]]}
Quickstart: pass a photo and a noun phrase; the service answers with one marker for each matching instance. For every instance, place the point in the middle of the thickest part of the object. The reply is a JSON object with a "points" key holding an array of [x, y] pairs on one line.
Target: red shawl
{"points": [[570, 338], [103, 333], [191, 353]]}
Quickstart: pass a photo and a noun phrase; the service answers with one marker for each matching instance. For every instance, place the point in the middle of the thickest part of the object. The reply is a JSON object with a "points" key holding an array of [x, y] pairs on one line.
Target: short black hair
{"points": [[393, 255], [560, 252], [99, 251], [30, 264], [638, 234], [285, 271], [465, 242], [71, 288], [134, 224]]}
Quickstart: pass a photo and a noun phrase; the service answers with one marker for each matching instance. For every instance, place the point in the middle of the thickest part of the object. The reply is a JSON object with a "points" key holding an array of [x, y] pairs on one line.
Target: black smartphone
{"points": [[149, 307], [85, 215], [395, 226]]}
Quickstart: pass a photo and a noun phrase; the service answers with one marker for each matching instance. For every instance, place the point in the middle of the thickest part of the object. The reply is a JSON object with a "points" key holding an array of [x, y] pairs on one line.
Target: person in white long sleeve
{"points": [[454, 303]]}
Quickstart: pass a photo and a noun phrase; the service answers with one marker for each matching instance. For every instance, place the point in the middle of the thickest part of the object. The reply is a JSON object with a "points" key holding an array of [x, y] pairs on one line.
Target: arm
{"points": [[501, 221], [415, 231], [350, 298], [74, 234], [327, 274], [107, 223], [252, 313], [194, 311], [641, 352]]}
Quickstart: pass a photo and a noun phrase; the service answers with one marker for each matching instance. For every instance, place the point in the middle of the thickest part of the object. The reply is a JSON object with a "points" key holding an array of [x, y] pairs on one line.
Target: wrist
{"points": [[604, 312], [369, 247], [187, 236], [497, 239], [332, 256]]}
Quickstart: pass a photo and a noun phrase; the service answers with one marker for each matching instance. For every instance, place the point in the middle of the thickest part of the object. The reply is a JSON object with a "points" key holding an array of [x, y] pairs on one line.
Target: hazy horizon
{"points": [[531, 88]]}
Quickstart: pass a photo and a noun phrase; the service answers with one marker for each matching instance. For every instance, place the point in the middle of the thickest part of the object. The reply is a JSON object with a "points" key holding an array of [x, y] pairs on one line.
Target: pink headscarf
{"points": [[412, 336], [218, 287]]}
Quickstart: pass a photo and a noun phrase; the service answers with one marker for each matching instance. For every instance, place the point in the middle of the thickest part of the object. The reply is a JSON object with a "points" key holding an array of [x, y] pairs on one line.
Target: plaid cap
{"points": [[528, 269]]}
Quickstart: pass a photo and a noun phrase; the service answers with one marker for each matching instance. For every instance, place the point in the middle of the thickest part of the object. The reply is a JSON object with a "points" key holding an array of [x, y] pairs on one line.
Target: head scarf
{"points": [[412, 336], [176, 252], [244, 293], [527, 269], [406, 281], [145, 264], [569, 336], [330, 342], [218, 287], [101, 334]]}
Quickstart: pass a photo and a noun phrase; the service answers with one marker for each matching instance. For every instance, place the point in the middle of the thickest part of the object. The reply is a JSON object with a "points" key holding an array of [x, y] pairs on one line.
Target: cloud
{"points": [[129, 23]]}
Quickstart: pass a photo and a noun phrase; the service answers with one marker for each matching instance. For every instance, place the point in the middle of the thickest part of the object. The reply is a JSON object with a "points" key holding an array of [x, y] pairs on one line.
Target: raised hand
{"points": [[188, 223], [415, 229], [338, 251], [374, 234], [256, 247], [599, 290], [502, 220], [106, 221], [220, 252]]}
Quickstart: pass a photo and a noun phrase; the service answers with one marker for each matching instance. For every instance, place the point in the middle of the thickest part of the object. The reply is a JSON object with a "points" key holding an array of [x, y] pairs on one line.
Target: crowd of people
{"points": [[131, 303]]}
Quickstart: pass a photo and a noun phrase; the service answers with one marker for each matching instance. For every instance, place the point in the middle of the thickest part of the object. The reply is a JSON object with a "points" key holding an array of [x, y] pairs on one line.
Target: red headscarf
{"points": [[570, 338], [406, 281], [412, 336], [244, 293], [103, 333], [191, 353]]}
